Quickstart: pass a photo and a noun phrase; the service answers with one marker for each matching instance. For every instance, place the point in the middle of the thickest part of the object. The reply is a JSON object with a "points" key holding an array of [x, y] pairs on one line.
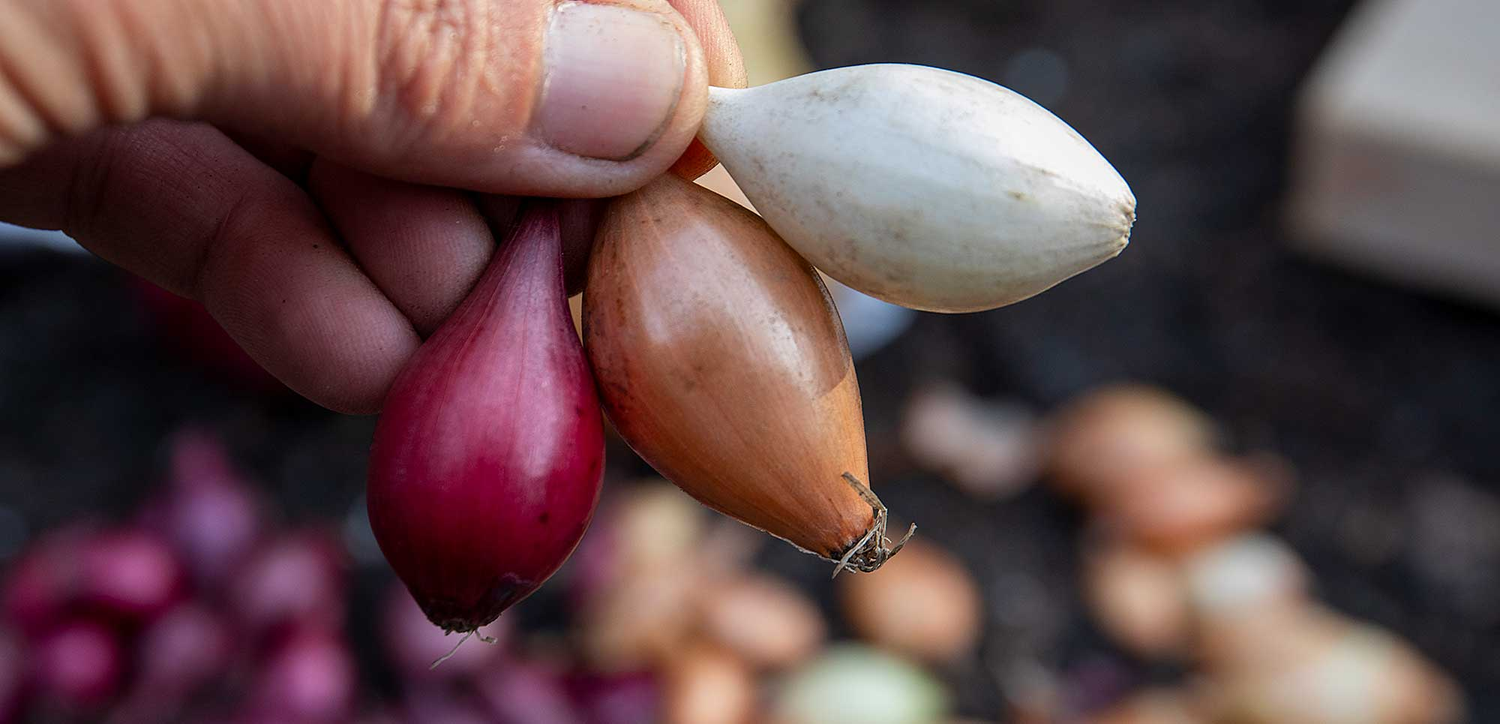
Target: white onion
{"points": [[922, 187]]}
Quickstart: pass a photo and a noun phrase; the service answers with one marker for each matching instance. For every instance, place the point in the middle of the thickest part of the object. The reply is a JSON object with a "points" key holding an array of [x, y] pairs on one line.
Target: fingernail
{"points": [[613, 77]]}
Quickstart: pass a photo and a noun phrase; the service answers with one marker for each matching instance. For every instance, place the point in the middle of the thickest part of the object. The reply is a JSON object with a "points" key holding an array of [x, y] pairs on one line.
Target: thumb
{"points": [[536, 97]]}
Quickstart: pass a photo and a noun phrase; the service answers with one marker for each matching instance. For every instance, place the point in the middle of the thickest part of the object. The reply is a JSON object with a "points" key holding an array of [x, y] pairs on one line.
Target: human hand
{"points": [[304, 168]]}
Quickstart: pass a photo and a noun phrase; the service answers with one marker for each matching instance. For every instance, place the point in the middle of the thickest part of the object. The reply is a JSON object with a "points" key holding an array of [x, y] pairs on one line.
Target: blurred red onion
{"points": [[298, 578], [79, 665], [43, 581], [185, 649], [442, 706], [412, 643], [214, 527], [211, 514], [13, 678], [190, 646], [593, 568], [617, 699], [120, 573], [527, 693], [379, 716], [129, 573], [309, 676]]}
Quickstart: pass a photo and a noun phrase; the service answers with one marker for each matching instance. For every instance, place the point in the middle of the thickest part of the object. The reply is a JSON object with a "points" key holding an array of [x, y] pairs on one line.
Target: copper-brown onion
{"points": [[1187, 506], [705, 685], [1138, 598], [761, 619], [926, 606], [1103, 438], [721, 360]]}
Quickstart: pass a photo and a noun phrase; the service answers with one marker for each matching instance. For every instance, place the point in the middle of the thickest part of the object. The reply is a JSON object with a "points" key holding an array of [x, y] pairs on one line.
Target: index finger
{"points": [[183, 206]]}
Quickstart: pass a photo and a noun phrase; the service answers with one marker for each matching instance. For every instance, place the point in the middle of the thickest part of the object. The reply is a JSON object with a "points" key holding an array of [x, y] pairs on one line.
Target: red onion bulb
{"points": [[488, 456]]}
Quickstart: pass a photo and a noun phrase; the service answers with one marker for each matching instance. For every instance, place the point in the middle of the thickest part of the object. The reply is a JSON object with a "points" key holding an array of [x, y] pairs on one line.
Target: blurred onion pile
{"points": [[1174, 569], [202, 608]]}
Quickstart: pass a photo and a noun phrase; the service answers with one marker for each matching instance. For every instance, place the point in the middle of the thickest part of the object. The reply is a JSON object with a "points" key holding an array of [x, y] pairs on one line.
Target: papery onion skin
{"points": [[721, 360], [488, 456]]}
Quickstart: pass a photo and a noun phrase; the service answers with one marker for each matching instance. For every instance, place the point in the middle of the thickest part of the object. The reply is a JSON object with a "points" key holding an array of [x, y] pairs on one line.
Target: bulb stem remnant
{"points": [[470, 634], [870, 552]]}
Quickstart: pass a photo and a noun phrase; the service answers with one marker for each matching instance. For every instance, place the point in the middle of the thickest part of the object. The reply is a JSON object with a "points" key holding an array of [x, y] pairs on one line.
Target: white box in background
{"points": [[1397, 164]]}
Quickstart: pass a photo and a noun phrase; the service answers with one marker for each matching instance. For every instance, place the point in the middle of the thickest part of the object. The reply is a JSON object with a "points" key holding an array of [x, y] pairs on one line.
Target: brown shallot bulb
{"points": [[1181, 507], [764, 621], [1138, 598], [1110, 434], [721, 360], [924, 605], [705, 685]]}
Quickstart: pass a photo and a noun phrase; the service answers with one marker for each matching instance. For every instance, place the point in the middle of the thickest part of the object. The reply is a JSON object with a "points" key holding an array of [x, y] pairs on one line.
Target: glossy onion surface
{"points": [[721, 360], [488, 455]]}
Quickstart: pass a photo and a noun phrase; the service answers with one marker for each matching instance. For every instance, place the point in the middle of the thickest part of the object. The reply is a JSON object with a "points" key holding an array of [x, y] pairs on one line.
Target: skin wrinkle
{"points": [[429, 69], [119, 80], [176, 68], [89, 177], [241, 40], [359, 75], [20, 127], [292, 26], [22, 50], [198, 270], [344, 42]]}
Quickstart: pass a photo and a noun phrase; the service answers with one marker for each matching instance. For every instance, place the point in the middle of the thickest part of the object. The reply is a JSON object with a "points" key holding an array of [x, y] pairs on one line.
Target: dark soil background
{"points": [[1384, 399]]}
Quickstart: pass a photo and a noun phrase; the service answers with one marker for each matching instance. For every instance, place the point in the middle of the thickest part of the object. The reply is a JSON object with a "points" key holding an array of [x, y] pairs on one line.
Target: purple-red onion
{"points": [[129, 574], [210, 514], [443, 706], [43, 580], [299, 578], [184, 650], [122, 574], [488, 456], [632, 698], [14, 678], [522, 692], [79, 666], [188, 647], [309, 676]]}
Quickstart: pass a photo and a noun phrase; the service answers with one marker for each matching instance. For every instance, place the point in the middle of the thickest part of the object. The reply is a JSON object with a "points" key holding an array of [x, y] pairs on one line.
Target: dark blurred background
{"points": [[1380, 397]]}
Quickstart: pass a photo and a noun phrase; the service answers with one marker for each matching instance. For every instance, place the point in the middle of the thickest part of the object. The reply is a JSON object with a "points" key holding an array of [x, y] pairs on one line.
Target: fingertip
{"points": [[669, 140], [625, 90], [286, 292], [424, 247]]}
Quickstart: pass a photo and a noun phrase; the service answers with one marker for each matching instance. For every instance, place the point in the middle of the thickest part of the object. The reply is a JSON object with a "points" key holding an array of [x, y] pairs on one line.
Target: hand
{"points": [[296, 166]]}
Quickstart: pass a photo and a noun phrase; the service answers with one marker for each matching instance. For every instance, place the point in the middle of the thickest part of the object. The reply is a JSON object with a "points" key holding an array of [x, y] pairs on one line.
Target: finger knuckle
{"points": [[430, 63]]}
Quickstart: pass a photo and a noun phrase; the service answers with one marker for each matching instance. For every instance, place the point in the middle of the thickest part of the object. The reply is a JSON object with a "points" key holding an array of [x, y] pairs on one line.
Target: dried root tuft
{"points": [[870, 552]]}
